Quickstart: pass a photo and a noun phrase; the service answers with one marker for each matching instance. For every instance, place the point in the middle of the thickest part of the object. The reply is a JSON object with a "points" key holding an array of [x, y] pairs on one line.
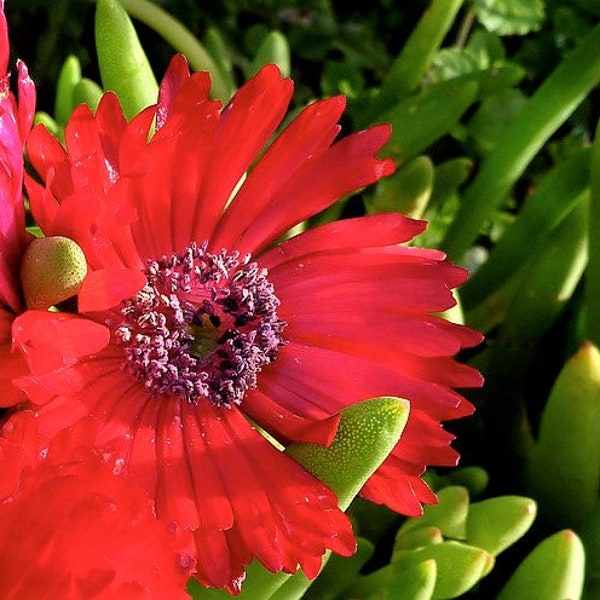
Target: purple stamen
{"points": [[203, 326]]}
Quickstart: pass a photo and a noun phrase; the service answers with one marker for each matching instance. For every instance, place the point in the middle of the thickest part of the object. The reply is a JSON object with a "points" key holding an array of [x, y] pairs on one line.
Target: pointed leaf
{"points": [[449, 514], [68, 78], [496, 523], [567, 453], [367, 433], [408, 190], [459, 566], [553, 570], [124, 67], [408, 68], [423, 118], [541, 116], [416, 582], [87, 92], [274, 49], [417, 538], [182, 40]]}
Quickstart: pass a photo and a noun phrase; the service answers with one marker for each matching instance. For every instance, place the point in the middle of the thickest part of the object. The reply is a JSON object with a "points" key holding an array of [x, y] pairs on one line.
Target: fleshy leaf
{"points": [[459, 566], [553, 570], [68, 78], [367, 433], [335, 578], [273, 49], [408, 190], [496, 523], [567, 453], [124, 67], [449, 514]]}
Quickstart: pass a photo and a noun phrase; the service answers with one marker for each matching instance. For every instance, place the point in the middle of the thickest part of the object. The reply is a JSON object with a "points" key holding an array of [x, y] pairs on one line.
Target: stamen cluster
{"points": [[203, 326]]}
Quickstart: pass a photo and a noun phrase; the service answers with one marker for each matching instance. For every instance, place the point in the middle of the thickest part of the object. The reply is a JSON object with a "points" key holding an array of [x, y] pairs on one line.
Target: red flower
{"points": [[70, 528], [15, 123], [197, 323]]}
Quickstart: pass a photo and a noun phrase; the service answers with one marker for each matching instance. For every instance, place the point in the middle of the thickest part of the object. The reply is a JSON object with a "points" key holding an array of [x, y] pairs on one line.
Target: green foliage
{"points": [[441, 555], [510, 17]]}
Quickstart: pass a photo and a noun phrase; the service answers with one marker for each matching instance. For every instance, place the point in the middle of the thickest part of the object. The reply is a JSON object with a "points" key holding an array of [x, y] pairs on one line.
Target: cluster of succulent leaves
{"points": [[492, 104]]}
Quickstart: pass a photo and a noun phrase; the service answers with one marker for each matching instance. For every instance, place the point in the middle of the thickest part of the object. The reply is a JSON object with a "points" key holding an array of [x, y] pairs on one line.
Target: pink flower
{"points": [[195, 322], [15, 123]]}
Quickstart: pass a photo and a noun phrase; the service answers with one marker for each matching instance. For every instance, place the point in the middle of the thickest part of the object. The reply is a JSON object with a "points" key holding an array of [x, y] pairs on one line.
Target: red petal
{"points": [[358, 233], [246, 124], [54, 340], [106, 288], [309, 134], [346, 167]]}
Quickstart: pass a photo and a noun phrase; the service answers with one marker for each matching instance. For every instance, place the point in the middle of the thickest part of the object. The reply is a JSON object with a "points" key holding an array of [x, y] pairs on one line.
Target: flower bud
{"points": [[52, 270]]}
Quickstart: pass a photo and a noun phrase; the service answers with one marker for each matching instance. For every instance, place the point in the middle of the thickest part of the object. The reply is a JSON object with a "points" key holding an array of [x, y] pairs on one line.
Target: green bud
{"points": [[52, 270]]}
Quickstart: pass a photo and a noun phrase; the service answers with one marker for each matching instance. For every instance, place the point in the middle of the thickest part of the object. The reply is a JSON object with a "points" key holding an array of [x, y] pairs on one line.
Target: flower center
{"points": [[203, 326]]}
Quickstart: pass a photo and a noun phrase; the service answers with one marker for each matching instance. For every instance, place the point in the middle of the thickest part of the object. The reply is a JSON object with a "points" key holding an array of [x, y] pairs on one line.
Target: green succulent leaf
{"points": [[273, 49], [497, 523], [449, 514], [367, 433], [459, 566], [124, 67], [183, 41], [408, 190], [550, 278], [408, 68], [553, 570], [567, 453], [420, 120], [474, 478], [87, 92], [416, 582], [417, 537], [68, 78], [550, 105], [557, 195]]}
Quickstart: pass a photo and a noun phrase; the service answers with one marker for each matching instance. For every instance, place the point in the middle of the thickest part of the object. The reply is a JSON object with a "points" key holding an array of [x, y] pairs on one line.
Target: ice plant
{"points": [[70, 528], [15, 123], [196, 322]]}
